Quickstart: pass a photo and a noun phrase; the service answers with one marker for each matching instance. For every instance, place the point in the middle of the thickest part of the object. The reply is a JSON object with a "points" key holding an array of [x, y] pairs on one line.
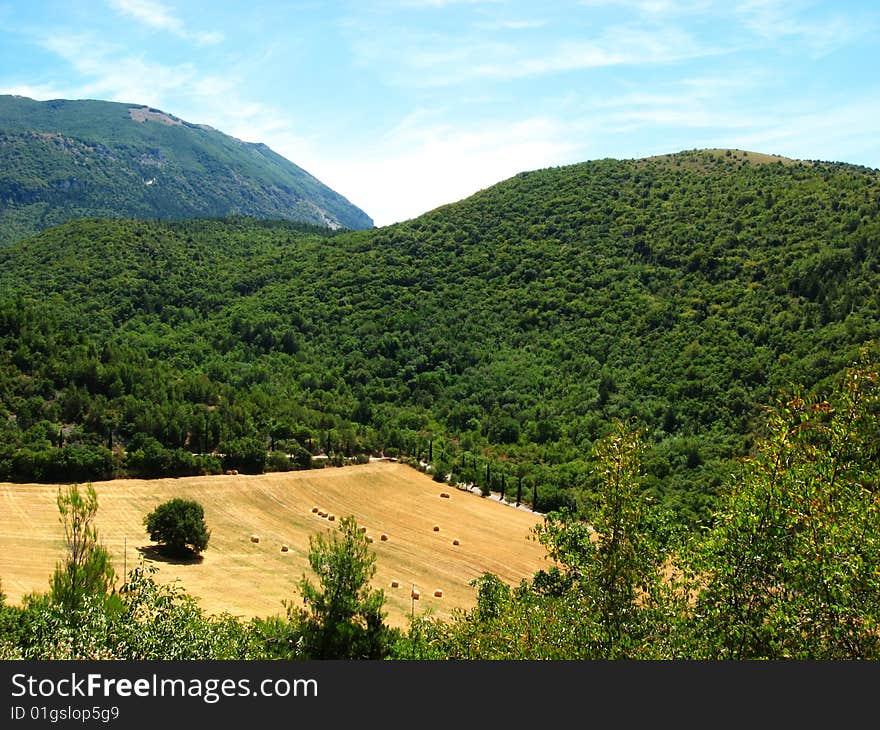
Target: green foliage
{"points": [[146, 457], [86, 571], [46, 630], [9, 637], [299, 457], [515, 327], [342, 617], [492, 595], [162, 622], [278, 461], [147, 621], [791, 568], [72, 462], [277, 638], [604, 596], [610, 558], [246, 454], [179, 524]]}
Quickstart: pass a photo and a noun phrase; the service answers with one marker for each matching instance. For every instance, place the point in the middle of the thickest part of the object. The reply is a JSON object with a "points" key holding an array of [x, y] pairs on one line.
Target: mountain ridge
{"points": [[64, 159]]}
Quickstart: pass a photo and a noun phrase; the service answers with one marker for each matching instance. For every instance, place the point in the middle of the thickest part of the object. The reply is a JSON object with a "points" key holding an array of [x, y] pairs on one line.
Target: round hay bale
{"points": [[315, 509], [383, 537], [436, 528], [322, 513], [255, 538], [456, 542], [284, 548], [438, 593], [332, 518], [445, 495], [363, 529], [369, 538], [415, 595], [395, 583]]}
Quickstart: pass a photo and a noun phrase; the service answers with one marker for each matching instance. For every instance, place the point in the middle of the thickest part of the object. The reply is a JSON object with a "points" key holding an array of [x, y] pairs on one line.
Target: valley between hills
{"points": [[671, 361]]}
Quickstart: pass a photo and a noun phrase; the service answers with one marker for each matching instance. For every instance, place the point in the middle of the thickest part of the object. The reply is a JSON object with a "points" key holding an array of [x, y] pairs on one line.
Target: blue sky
{"points": [[405, 105]]}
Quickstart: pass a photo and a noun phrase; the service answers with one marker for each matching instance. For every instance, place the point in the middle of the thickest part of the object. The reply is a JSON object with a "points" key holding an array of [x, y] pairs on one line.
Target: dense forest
{"points": [[674, 359], [496, 338]]}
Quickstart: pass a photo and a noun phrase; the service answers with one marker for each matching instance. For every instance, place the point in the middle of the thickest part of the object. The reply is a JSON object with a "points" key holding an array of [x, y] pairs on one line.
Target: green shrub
{"points": [[179, 524]]}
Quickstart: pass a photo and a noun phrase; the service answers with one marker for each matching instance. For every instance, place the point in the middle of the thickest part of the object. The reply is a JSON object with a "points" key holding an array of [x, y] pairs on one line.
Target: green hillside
{"points": [[63, 159], [499, 336]]}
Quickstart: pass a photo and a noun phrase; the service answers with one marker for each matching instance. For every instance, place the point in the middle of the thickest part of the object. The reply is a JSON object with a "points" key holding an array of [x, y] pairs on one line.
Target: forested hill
{"points": [[499, 336], [62, 159]]}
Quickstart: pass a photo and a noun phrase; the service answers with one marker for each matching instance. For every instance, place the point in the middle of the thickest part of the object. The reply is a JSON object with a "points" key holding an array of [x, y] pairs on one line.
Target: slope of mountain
{"points": [[62, 159], [500, 335]]}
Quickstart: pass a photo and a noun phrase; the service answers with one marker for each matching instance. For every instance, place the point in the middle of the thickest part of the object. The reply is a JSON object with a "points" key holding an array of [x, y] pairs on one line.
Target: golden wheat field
{"points": [[248, 578]]}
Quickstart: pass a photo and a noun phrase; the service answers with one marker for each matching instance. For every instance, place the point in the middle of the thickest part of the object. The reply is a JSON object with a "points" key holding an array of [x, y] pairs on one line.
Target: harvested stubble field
{"points": [[247, 578]]}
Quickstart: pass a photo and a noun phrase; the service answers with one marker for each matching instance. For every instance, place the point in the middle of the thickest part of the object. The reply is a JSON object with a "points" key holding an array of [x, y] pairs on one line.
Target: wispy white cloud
{"points": [[653, 7], [42, 92], [594, 34], [107, 72], [150, 13], [618, 46], [842, 132], [157, 16], [819, 31], [703, 101], [110, 71], [503, 24], [443, 3], [412, 57]]}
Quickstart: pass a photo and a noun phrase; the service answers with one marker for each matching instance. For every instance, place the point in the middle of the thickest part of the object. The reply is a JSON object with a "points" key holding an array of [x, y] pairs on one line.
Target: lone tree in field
{"points": [[179, 524]]}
